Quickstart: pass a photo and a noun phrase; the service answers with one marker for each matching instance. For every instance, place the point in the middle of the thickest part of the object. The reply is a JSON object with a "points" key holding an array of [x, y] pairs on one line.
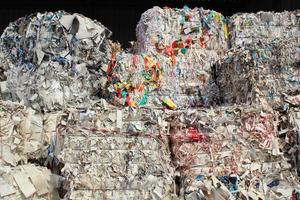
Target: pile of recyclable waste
{"points": [[203, 107]]}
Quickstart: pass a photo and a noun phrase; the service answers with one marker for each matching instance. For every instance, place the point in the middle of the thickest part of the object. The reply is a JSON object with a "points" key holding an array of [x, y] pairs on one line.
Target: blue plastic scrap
{"points": [[274, 183]]}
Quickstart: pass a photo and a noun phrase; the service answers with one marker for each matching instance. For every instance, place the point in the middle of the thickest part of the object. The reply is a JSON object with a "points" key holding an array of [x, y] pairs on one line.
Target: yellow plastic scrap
{"points": [[127, 86], [168, 102], [148, 61], [225, 31], [217, 17]]}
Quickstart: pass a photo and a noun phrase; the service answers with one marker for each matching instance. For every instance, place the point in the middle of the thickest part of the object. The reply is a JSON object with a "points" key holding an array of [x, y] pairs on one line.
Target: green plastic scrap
{"points": [[186, 8], [144, 99], [145, 75], [211, 15], [183, 50], [182, 19]]}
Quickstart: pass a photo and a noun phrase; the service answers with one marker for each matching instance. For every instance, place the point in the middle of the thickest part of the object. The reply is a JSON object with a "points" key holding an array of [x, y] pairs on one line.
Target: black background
{"points": [[121, 17]]}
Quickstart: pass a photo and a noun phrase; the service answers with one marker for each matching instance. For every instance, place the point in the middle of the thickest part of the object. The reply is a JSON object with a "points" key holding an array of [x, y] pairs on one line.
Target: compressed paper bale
{"points": [[26, 134], [259, 72], [159, 27], [117, 170], [246, 28], [22, 134], [232, 144], [52, 60], [190, 41], [105, 157], [111, 195], [291, 125], [27, 182]]}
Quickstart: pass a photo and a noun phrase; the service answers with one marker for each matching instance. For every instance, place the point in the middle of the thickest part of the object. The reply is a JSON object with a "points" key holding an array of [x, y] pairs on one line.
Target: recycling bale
{"points": [[51, 60], [246, 28]]}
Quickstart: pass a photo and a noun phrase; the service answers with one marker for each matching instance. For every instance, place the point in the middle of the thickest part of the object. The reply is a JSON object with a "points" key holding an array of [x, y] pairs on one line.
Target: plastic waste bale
{"points": [[259, 73], [51, 60], [28, 182], [246, 28]]}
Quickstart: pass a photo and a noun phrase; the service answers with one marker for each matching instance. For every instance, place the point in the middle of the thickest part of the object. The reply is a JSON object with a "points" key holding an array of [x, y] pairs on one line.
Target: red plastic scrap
{"points": [[188, 41], [169, 50], [174, 44], [194, 135], [202, 44], [180, 45]]}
